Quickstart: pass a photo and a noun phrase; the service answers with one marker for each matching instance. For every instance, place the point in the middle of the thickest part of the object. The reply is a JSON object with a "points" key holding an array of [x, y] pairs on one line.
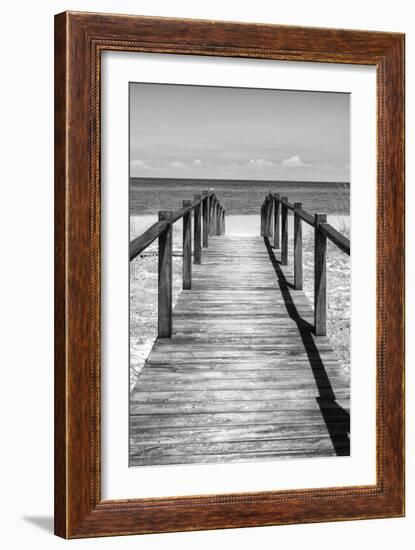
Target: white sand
{"points": [[237, 225]]}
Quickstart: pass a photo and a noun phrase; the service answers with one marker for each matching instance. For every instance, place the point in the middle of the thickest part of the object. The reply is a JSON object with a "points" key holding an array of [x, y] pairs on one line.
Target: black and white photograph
{"points": [[239, 263]]}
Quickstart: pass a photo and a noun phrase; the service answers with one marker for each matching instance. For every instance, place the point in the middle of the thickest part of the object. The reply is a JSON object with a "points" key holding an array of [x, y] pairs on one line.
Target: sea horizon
{"points": [[239, 197], [143, 180]]}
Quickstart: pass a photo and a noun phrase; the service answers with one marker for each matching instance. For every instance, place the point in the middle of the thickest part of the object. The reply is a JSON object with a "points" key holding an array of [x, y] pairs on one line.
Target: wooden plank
{"points": [[250, 447], [178, 396], [235, 349], [195, 375], [229, 354], [137, 460], [273, 383], [238, 370], [320, 282], [281, 368], [286, 406], [165, 277], [268, 419], [233, 339], [161, 436], [209, 354]]}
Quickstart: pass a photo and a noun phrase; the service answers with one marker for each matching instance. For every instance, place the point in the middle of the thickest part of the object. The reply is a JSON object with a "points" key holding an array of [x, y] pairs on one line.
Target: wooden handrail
{"points": [[196, 202], [337, 238], [341, 241], [209, 219], [280, 206], [144, 240], [305, 216], [288, 204]]}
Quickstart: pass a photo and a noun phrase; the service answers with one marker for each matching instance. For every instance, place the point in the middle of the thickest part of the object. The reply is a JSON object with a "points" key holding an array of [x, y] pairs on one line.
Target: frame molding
{"points": [[79, 40]]}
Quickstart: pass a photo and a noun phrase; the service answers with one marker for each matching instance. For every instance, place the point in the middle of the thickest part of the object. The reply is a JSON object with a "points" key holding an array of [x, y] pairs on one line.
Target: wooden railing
{"points": [[274, 224], [208, 220]]}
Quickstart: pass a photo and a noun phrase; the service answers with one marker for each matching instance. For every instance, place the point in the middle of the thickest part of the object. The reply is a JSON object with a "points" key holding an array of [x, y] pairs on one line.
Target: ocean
{"points": [[239, 197]]}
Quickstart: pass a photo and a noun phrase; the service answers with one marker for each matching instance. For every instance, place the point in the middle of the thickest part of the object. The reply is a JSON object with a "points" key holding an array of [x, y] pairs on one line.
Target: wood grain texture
{"points": [[197, 232], [320, 276], [201, 364], [79, 40], [284, 232], [145, 239], [276, 221], [263, 220], [218, 218], [212, 208], [337, 238], [298, 248], [270, 210], [187, 248], [165, 277], [205, 219]]}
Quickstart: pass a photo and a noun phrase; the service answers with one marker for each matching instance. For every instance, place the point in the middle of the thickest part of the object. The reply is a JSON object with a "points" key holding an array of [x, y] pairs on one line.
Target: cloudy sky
{"points": [[233, 133]]}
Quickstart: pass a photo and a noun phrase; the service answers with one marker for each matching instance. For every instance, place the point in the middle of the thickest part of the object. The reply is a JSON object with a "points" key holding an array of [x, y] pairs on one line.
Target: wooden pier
{"points": [[242, 376]]}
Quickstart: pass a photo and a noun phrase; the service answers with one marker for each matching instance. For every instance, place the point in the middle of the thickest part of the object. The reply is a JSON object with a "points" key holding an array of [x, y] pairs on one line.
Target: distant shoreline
{"points": [[144, 180], [238, 224]]}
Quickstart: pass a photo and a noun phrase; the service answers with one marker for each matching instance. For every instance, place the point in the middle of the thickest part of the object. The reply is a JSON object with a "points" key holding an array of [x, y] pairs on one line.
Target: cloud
{"points": [[261, 163], [293, 161], [177, 164], [197, 162], [141, 164]]}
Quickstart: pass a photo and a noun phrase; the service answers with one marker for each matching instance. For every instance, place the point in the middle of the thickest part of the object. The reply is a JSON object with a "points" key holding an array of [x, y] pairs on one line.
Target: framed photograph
{"points": [[229, 275]]}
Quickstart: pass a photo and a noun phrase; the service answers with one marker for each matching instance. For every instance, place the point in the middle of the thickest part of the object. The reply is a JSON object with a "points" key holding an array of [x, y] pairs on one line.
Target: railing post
{"points": [[212, 210], [266, 218], [284, 232], [205, 215], [263, 220], [298, 249], [165, 277], [222, 222], [276, 221], [197, 246], [270, 208], [217, 218], [187, 248], [320, 247]]}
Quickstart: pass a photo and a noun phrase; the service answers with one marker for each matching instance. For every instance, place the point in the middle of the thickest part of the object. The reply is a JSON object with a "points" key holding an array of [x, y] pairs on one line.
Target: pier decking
{"points": [[242, 377]]}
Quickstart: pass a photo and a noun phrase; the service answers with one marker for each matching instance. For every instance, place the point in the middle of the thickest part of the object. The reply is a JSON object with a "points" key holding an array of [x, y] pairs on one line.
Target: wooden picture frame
{"points": [[79, 40]]}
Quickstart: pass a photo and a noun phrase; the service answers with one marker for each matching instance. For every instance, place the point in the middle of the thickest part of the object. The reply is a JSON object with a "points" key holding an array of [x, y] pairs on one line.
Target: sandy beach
{"points": [[143, 284]]}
